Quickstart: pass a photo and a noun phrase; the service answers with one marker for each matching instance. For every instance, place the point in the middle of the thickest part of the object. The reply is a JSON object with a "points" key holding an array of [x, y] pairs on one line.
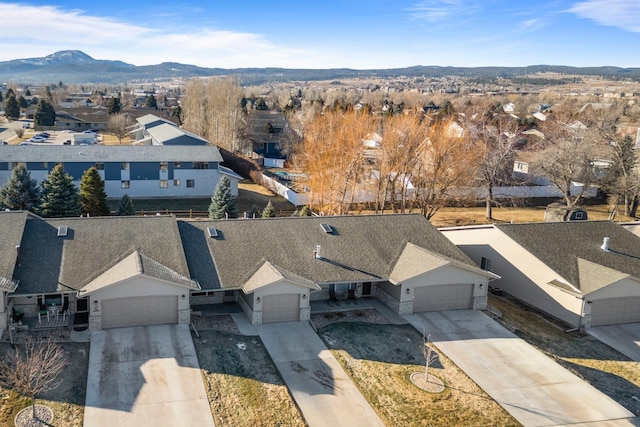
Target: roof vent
{"points": [[326, 228], [212, 232], [605, 244], [62, 230], [316, 253]]}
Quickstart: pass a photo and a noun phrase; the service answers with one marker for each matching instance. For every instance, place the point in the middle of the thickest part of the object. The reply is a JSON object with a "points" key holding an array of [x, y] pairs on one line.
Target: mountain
{"points": [[74, 67]]}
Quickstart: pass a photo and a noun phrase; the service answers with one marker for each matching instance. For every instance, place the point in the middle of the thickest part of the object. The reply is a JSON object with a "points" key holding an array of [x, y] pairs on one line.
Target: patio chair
{"points": [[65, 310], [16, 315], [332, 297], [351, 296], [43, 312]]}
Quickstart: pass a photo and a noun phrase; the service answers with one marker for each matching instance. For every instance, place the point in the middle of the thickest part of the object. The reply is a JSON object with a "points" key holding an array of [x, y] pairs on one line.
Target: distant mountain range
{"points": [[75, 67]]}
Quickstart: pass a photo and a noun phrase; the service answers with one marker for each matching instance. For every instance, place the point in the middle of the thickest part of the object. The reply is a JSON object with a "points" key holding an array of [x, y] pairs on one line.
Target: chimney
{"points": [[316, 253], [605, 244], [18, 254]]}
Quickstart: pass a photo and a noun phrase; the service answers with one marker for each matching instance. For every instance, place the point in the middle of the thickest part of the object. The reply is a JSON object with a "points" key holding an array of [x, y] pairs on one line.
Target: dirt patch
{"points": [[368, 315], [380, 359], [595, 362], [222, 323], [242, 383], [66, 401]]}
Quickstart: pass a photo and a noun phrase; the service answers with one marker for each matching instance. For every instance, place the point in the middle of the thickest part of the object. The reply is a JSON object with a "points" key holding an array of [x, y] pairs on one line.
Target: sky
{"points": [[359, 34]]}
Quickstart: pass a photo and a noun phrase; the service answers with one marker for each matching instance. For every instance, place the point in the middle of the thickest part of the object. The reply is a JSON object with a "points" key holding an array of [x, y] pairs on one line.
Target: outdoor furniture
{"points": [[65, 310], [43, 312], [351, 295], [332, 297], [53, 310], [16, 315]]}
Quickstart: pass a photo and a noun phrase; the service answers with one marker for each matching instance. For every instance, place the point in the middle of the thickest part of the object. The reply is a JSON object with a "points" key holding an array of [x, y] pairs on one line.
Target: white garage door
{"points": [[612, 311], [442, 297], [139, 311], [281, 308]]}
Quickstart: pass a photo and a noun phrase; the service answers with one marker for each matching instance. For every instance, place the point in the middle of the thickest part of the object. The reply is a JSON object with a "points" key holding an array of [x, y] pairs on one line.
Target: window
{"points": [[13, 165], [341, 287], [100, 166], [229, 293], [191, 183], [124, 166], [45, 165], [485, 264], [200, 165], [176, 183], [125, 184], [176, 165], [164, 183], [579, 215], [164, 166]]}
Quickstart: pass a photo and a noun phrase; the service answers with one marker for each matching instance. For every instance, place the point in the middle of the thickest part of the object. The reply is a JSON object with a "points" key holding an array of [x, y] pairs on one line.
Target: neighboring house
{"points": [[276, 267], [147, 171], [153, 130], [267, 131], [585, 273], [81, 119], [127, 271]]}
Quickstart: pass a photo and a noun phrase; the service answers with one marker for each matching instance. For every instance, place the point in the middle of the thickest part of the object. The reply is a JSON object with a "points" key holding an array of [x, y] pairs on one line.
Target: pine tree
{"points": [[151, 102], [268, 211], [11, 108], [114, 106], [60, 197], [45, 114], [92, 195], [21, 192], [125, 207], [222, 201], [305, 211]]}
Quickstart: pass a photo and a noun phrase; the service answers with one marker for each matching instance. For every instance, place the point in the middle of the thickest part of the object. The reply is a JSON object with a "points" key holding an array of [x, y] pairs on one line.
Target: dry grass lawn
{"points": [[67, 401], [380, 359], [595, 362], [242, 383]]}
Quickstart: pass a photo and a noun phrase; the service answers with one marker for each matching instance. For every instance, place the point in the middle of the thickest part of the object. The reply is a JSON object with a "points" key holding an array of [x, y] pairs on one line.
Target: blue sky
{"points": [[329, 33]]}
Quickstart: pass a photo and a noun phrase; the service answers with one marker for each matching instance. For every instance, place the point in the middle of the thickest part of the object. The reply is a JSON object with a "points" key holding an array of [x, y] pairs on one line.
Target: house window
{"points": [[124, 166], [176, 183], [100, 166], [200, 165], [13, 165], [191, 183], [176, 165], [164, 183], [125, 184], [342, 287], [579, 215], [485, 264], [45, 165], [164, 166], [229, 293]]}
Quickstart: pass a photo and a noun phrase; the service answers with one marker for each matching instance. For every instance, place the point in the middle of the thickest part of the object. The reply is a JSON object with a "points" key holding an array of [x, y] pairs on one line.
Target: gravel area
{"points": [[56, 335], [433, 385], [367, 315], [44, 417], [215, 323]]}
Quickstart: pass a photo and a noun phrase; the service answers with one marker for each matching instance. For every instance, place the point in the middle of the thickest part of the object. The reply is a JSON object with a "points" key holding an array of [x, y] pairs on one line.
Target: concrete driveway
{"points": [[322, 390], [529, 385], [145, 376], [624, 338]]}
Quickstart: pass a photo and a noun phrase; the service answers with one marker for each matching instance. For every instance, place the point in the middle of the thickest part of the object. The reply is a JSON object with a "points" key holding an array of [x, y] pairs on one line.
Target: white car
{"points": [[38, 139]]}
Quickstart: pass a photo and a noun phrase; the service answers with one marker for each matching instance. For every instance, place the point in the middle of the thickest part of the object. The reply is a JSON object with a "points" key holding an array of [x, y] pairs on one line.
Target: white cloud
{"points": [[53, 28], [531, 24], [623, 14], [440, 10]]}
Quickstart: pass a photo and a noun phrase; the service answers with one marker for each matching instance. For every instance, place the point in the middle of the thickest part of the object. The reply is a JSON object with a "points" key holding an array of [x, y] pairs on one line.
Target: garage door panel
{"points": [[139, 311], [612, 311], [281, 308], [442, 297]]}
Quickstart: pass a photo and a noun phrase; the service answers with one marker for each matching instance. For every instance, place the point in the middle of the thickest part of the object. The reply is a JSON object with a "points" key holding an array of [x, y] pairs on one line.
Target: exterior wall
{"points": [[137, 287], [522, 275], [214, 298], [621, 289], [29, 305], [323, 293]]}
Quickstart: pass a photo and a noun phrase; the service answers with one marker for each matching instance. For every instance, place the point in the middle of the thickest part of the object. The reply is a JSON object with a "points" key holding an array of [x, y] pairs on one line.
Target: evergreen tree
{"points": [[125, 207], [268, 211], [22, 102], [21, 192], [222, 201], [27, 93], [12, 108], [1, 97], [92, 195], [305, 211], [151, 102], [10, 93], [60, 197], [114, 106], [45, 114]]}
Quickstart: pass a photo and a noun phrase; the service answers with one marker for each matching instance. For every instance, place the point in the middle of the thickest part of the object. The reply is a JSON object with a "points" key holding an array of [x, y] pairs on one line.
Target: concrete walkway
{"points": [[145, 376], [625, 338], [529, 385], [322, 390]]}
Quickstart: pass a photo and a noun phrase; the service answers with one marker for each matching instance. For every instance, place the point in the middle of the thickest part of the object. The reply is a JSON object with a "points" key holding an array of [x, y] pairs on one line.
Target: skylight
{"points": [[212, 232], [326, 228], [62, 230]]}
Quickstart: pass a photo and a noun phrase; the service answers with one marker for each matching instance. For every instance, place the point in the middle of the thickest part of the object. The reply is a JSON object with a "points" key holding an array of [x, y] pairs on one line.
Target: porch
{"points": [[343, 305]]}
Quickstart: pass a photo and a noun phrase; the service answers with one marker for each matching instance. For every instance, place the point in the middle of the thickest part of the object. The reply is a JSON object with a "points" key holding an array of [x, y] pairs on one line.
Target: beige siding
{"points": [[139, 311], [281, 308], [611, 311]]}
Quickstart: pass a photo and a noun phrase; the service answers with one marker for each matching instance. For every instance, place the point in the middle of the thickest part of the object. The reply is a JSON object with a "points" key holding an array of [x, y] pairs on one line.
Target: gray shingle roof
{"points": [[11, 227], [109, 153], [61, 264], [169, 133], [361, 248], [573, 250]]}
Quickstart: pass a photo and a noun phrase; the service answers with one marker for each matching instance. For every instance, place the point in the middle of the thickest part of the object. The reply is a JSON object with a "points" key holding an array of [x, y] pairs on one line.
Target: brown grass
{"points": [[595, 362], [381, 358], [242, 383]]}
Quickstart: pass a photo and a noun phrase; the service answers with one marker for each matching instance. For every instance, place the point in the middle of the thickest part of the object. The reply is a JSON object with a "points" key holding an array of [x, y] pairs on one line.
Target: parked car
{"points": [[38, 139], [26, 143]]}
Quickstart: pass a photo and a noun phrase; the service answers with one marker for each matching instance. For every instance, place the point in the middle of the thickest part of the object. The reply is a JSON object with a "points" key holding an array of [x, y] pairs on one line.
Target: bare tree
{"points": [[119, 125], [33, 368], [19, 132], [430, 355]]}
